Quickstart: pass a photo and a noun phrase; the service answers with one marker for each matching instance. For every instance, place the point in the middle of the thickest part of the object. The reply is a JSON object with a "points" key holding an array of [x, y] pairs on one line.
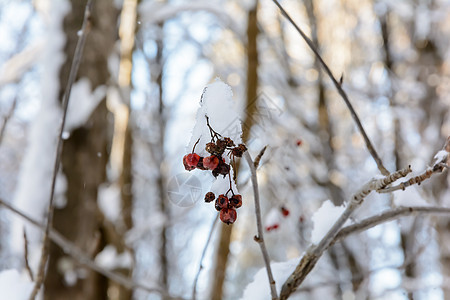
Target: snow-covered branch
{"points": [[386, 217], [442, 161], [314, 253]]}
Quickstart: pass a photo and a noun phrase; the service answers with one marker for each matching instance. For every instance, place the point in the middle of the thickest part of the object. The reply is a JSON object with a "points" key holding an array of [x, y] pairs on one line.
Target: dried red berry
{"points": [[190, 161], [228, 215], [211, 162], [221, 145], [211, 148], [228, 142], [209, 197], [235, 201], [299, 142], [285, 211], [223, 169], [239, 150], [221, 202]]}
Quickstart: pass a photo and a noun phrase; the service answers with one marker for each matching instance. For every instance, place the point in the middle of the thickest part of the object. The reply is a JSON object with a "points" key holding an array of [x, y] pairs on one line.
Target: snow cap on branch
{"points": [[219, 110], [217, 104]]}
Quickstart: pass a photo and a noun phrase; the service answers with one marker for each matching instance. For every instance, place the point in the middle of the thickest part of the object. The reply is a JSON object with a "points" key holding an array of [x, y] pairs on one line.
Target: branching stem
{"points": [[260, 237]]}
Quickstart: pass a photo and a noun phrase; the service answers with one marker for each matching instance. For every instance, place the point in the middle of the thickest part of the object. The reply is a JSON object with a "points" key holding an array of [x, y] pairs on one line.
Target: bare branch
{"points": [[76, 253], [65, 102], [200, 268], [341, 92], [314, 253], [260, 238]]}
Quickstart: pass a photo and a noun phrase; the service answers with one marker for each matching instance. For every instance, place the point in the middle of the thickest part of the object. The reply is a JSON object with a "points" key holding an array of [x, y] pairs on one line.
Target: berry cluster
{"points": [[226, 206], [216, 163]]}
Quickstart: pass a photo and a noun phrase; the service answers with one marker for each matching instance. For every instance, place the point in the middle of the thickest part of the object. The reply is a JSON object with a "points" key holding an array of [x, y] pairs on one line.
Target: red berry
{"points": [[221, 202], [299, 142], [274, 226], [211, 162], [285, 211], [228, 215], [235, 201], [190, 161], [200, 164]]}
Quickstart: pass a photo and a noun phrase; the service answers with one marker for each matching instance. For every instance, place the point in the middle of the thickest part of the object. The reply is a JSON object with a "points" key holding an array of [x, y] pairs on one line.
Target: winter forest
{"points": [[170, 149]]}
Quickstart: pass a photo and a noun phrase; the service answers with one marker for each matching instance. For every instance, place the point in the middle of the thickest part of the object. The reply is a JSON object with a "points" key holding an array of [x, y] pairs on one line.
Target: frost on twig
{"points": [[314, 253], [441, 161]]}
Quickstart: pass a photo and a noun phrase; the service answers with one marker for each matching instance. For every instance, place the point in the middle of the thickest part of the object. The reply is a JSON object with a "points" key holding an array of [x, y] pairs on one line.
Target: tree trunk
{"points": [[84, 160], [252, 92]]}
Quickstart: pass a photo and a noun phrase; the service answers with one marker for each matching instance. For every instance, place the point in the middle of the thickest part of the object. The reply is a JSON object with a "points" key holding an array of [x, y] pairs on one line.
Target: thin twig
{"points": [[415, 180], [260, 238], [65, 102], [259, 156], [77, 254], [25, 254], [341, 92], [200, 268], [314, 253]]}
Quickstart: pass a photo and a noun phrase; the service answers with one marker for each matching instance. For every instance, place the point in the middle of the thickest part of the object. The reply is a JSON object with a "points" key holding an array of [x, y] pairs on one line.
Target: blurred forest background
{"points": [[132, 108]]}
